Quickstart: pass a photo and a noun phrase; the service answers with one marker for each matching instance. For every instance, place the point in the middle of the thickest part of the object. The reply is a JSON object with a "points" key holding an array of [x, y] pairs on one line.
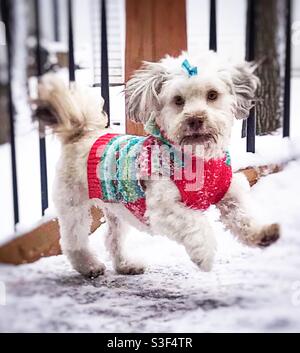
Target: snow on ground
{"points": [[248, 290]]}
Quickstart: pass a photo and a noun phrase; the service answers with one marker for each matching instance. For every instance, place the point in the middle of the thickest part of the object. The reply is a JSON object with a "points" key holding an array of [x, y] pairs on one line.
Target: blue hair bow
{"points": [[192, 71]]}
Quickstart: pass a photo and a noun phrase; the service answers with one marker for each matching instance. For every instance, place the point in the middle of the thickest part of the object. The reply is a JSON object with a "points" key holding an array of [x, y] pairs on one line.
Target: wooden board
{"points": [[253, 174], [154, 28], [40, 242]]}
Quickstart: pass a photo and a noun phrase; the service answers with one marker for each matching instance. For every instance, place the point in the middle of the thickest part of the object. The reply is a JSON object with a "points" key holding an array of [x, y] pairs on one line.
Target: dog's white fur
{"points": [[151, 91]]}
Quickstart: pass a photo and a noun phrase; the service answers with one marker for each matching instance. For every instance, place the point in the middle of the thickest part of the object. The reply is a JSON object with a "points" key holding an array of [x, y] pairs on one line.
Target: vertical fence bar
{"points": [[56, 22], [288, 66], [38, 38], [7, 18], [250, 56], [213, 25], [71, 42], [42, 140], [104, 62]]}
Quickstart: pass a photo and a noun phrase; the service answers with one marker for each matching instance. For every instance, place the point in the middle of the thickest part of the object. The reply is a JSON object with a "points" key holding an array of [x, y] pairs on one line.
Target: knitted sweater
{"points": [[118, 165]]}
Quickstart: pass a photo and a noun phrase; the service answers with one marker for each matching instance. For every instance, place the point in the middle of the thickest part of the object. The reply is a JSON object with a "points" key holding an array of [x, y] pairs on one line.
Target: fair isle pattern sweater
{"points": [[118, 165]]}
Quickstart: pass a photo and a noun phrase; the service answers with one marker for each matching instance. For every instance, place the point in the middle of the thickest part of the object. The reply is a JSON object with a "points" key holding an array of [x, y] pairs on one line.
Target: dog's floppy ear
{"points": [[142, 91], [245, 84]]}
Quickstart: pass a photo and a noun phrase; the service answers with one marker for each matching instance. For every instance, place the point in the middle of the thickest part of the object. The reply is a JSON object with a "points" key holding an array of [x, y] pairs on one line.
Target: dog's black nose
{"points": [[194, 124]]}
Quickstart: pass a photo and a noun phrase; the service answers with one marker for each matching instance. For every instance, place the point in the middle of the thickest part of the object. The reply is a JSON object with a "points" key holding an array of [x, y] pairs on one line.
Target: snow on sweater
{"points": [[118, 166]]}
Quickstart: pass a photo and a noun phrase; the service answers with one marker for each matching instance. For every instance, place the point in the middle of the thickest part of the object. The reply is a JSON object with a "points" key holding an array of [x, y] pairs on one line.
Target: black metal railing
{"points": [[213, 26], [250, 56], [6, 12], [104, 62], [56, 20], [72, 77], [42, 140], [288, 66], [6, 8]]}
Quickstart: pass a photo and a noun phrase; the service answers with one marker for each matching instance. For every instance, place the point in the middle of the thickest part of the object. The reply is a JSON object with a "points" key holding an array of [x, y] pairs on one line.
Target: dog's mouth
{"points": [[197, 139]]}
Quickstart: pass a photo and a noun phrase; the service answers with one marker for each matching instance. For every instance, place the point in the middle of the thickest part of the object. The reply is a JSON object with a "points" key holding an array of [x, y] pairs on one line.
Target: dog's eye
{"points": [[212, 95], [178, 100]]}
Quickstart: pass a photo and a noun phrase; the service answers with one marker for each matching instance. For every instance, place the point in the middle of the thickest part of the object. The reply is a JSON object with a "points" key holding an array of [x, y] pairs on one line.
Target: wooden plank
{"points": [[139, 44], [40, 242], [154, 28], [170, 30], [139, 34], [253, 174]]}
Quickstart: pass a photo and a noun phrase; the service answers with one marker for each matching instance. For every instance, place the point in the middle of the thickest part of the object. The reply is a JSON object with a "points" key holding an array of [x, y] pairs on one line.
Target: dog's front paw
{"points": [[269, 235], [128, 268], [263, 237]]}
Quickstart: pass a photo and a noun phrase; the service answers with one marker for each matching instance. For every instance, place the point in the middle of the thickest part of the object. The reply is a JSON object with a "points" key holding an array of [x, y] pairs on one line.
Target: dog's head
{"points": [[193, 109]]}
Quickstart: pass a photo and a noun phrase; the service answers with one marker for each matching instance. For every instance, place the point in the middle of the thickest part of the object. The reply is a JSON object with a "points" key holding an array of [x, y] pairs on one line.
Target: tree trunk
{"points": [[270, 29], [4, 119]]}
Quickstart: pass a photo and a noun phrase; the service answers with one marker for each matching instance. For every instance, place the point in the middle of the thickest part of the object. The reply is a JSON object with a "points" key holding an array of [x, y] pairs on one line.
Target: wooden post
{"points": [[154, 28]]}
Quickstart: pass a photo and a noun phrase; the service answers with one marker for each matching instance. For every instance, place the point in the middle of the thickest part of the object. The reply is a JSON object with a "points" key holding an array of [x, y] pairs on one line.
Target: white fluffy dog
{"points": [[188, 108]]}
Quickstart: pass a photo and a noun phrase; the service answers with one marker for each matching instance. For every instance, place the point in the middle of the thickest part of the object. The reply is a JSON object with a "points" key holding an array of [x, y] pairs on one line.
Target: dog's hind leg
{"points": [[74, 223], [115, 239]]}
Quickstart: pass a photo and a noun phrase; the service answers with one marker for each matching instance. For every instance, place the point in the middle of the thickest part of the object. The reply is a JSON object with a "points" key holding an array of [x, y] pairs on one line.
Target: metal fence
{"points": [[7, 18]]}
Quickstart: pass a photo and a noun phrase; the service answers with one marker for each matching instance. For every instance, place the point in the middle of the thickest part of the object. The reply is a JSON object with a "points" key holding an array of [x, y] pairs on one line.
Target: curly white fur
{"points": [[154, 90]]}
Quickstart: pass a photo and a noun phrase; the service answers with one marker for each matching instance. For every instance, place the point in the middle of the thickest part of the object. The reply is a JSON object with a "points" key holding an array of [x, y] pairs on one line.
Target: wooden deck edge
{"points": [[44, 240], [253, 174]]}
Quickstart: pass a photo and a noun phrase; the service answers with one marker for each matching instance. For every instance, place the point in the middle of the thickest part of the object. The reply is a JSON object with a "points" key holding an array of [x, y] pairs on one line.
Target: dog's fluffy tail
{"points": [[70, 113]]}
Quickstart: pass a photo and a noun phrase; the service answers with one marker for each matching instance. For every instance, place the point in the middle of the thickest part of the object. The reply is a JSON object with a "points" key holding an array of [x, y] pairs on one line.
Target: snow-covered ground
{"points": [[248, 289]]}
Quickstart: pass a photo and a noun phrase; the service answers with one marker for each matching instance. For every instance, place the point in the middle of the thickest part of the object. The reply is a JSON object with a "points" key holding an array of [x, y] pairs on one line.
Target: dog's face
{"points": [[193, 110]]}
